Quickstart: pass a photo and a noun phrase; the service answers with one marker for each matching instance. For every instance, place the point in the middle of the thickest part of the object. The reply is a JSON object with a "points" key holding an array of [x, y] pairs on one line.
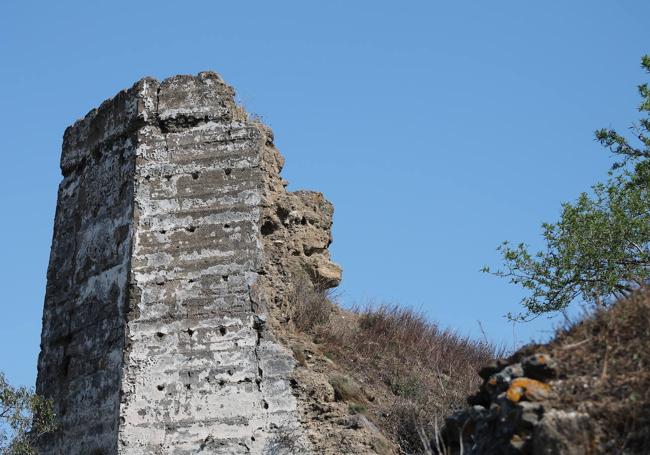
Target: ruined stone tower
{"points": [[174, 240]]}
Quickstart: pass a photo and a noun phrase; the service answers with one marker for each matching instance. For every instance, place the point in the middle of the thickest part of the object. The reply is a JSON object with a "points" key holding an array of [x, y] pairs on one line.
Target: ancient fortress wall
{"points": [[84, 319], [174, 238]]}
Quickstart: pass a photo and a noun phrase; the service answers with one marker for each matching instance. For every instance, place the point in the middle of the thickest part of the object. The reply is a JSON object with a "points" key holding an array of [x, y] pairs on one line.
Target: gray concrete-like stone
{"points": [[154, 338]]}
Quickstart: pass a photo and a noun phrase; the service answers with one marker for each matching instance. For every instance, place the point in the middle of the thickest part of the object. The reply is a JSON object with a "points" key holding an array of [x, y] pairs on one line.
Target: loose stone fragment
{"points": [[530, 389], [539, 366]]}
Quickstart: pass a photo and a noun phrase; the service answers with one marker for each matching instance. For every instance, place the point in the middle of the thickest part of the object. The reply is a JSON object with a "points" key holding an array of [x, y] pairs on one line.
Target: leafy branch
{"points": [[599, 250], [24, 418]]}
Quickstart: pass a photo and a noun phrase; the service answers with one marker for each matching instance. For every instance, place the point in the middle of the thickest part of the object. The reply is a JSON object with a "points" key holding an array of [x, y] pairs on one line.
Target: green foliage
{"points": [[24, 417], [600, 248]]}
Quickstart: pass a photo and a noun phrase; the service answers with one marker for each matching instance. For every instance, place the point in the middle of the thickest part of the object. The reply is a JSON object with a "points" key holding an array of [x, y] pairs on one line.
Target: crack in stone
{"points": [[258, 325]]}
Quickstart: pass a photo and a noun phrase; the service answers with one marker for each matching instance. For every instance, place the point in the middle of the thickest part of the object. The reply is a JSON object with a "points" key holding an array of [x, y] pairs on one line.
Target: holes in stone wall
{"points": [[168, 177], [121, 233], [160, 387], [265, 404], [223, 330], [160, 334], [226, 226], [96, 154], [224, 277], [227, 171], [282, 213], [268, 228], [65, 339], [195, 175], [190, 332], [190, 228], [311, 251]]}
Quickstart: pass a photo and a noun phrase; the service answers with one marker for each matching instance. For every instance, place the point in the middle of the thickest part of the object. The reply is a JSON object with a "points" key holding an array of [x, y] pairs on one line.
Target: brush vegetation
{"points": [[401, 370]]}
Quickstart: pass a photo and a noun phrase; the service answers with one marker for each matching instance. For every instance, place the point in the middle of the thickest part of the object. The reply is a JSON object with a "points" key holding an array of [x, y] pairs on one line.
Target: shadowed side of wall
{"points": [[83, 332]]}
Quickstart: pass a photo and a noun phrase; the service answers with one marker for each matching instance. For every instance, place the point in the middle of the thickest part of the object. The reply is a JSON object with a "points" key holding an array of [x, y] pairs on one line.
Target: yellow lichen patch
{"points": [[514, 394], [530, 389]]}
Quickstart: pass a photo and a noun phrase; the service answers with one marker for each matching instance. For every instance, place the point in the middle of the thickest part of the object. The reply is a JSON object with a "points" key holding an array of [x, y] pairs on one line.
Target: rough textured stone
{"points": [[296, 231], [84, 326], [539, 366], [564, 433], [529, 389], [166, 278], [510, 414]]}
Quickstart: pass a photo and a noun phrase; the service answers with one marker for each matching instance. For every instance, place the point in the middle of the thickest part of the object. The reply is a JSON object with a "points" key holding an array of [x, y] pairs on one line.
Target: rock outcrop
{"points": [[296, 232]]}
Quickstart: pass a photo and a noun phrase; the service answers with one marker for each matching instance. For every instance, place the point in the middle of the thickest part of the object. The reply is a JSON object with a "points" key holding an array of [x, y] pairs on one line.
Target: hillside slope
{"points": [[585, 392], [374, 380]]}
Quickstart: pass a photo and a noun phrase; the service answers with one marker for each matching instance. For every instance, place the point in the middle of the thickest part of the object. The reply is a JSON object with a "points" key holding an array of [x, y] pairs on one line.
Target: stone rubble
{"points": [[510, 414]]}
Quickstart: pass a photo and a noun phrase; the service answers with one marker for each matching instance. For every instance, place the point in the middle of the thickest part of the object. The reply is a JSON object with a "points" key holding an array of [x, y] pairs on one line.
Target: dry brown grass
{"points": [[412, 372], [604, 362], [345, 389], [311, 305]]}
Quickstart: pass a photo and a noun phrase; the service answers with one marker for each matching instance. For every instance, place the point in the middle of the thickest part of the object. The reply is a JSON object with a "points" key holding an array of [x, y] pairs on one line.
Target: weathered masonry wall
{"points": [[155, 335], [84, 320], [198, 374]]}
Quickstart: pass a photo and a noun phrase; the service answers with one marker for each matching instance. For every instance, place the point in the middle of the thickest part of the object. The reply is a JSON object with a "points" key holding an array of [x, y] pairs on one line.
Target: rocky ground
{"points": [[585, 392]]}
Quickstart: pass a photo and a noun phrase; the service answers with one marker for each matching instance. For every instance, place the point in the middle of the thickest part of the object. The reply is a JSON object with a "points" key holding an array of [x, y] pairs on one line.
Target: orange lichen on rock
{"points": [[530, 389]]}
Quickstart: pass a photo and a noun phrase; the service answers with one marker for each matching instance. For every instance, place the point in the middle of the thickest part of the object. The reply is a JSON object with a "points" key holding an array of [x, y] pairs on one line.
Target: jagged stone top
{"points": [[176, 102]]}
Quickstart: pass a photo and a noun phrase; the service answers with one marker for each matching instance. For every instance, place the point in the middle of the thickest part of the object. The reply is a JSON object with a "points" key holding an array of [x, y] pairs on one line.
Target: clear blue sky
{"points": [[438, 129]]}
